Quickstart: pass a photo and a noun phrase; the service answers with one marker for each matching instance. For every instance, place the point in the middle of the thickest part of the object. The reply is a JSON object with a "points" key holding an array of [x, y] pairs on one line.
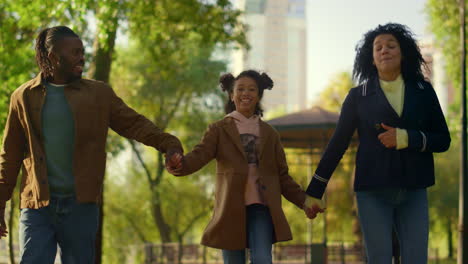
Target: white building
{"points": [[436, 72], [277, 38]]}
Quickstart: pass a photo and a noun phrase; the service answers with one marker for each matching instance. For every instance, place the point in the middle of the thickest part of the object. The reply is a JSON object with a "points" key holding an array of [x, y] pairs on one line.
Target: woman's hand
{"points": [[313, 206], [389, 137]]}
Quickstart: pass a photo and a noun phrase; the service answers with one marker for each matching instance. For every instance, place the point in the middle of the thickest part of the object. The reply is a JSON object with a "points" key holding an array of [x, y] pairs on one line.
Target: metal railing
{"points": [[173, 253], [282, 254]]}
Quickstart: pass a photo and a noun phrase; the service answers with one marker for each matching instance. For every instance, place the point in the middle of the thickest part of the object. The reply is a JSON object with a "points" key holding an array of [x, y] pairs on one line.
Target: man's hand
{"points": [[388, 138], [3, 227], [173, 158], [313, 206]]}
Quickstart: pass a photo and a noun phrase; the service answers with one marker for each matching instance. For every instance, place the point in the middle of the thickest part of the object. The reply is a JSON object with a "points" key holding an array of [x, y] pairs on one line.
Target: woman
{"points": [[251, 176], [400, 124]]}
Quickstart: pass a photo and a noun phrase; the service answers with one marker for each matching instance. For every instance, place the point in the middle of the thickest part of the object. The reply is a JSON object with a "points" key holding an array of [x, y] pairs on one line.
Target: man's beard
{"points": [[66, 71]]}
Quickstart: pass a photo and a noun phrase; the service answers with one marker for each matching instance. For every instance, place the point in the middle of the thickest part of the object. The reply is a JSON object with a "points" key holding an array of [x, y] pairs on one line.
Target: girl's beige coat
{"points": [[227, 228]]}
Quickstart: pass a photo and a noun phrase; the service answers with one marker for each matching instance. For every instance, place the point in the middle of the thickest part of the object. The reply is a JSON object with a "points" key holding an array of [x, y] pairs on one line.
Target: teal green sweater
{"points": [[58, 128]]}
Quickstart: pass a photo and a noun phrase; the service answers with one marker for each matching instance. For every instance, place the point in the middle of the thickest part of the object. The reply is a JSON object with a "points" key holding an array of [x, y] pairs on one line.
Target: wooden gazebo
{"points": [[310, 128]]}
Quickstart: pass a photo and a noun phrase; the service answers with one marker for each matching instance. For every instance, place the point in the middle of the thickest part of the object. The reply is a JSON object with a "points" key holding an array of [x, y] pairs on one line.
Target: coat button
{"points": [[263, 187], [43, 181]]}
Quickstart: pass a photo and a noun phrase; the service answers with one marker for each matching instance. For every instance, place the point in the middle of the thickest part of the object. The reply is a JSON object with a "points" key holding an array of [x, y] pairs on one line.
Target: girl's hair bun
{"points": [[226, 81], [267, 81]]}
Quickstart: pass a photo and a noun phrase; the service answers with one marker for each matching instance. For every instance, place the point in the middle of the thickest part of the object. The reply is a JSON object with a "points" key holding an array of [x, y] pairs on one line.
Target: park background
{"points": [[164, 57]]}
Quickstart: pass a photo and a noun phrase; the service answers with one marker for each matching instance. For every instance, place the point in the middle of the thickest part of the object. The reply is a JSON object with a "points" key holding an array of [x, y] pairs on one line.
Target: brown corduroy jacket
{"points": [[95, 108], [227, 228]]}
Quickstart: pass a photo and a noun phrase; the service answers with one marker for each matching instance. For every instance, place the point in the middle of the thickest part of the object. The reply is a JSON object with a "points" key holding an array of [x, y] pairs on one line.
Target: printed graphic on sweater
{"points": [[250, 148]]}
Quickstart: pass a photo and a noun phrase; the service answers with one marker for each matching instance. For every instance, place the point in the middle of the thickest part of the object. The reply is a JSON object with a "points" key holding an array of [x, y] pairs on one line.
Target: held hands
{"points": [[389, 137], [174, 162], [313, 206]]}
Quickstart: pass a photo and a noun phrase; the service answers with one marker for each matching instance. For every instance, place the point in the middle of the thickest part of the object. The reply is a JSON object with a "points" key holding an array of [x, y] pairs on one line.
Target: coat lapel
{"points": [[410, 101], [231, 130], [384, 101]]}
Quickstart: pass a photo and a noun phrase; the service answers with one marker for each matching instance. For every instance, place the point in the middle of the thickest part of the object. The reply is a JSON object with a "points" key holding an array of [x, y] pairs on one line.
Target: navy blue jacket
{"points": [[364, 108]]}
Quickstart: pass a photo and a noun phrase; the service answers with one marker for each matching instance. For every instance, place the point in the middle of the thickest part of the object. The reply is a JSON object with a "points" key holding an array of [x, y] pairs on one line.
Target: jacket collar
{"points": [[36, 82], [242, 118], [384, 100], [411, 91], [372, 85], [39, 80], [231, 129]]}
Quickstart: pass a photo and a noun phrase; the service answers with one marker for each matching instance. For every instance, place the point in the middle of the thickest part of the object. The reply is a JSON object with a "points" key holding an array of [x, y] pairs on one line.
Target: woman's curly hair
{"points": [[412, 60], [227, 81]]}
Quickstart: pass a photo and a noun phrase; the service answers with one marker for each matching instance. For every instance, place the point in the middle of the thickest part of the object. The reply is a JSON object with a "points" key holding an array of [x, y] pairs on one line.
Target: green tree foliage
{"points": [[335, 92], [443, 196], [186, 101], [444, 23], [174, 40], [182, 203], [128, 217]]}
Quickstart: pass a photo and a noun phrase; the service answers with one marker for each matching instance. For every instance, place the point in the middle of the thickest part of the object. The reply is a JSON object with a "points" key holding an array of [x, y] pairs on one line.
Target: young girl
{"points": [[251, 174]]}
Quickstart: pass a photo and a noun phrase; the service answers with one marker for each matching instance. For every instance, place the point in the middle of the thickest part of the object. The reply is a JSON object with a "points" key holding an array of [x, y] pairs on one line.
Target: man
{"points": [[56, 128]]}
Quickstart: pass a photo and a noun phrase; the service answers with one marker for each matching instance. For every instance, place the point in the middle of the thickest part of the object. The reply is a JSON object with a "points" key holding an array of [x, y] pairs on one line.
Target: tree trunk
{"points": [[204, 258], [10, 227], [180, 251], [158, 217], [163, 227], [100, 67], [100, 70], [450, 239]]}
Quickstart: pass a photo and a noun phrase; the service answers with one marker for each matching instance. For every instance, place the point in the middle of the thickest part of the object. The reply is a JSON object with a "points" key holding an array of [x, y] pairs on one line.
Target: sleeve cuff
{"points": [[417, 140], [402, 138], [317, 187], [424, 141]]}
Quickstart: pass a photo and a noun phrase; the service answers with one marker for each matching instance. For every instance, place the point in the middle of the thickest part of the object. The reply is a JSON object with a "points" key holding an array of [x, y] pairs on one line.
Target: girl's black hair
{"points": [[46, 42], [227, 81], [412, 60]]}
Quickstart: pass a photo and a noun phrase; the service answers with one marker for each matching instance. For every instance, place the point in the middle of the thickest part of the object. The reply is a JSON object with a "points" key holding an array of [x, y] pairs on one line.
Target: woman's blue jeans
{"points": [[402, 209], [64, 222], [260, 238]]}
